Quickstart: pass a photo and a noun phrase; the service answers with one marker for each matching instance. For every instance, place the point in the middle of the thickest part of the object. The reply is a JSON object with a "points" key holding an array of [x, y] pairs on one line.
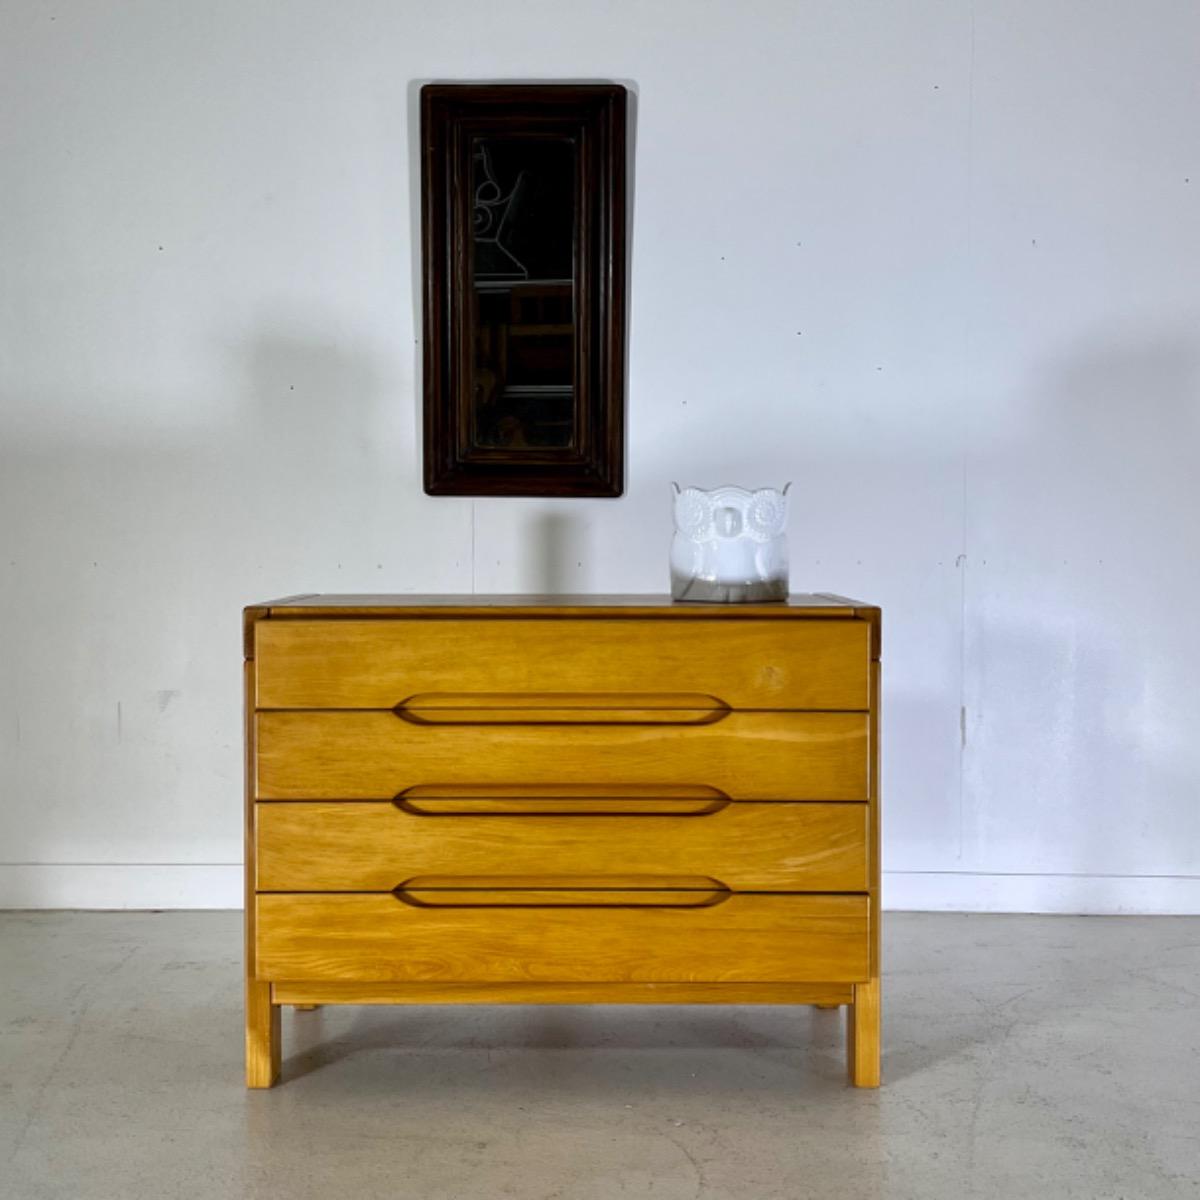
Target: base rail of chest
{"points": [[310, 993]]}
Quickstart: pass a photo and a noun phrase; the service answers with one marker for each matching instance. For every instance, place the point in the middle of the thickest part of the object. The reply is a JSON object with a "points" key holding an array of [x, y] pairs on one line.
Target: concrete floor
{"points": [[1031, 1057]]}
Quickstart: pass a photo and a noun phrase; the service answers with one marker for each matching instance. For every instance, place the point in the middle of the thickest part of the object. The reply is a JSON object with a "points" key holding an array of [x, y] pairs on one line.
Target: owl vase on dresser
{"points": [[730, 544]]}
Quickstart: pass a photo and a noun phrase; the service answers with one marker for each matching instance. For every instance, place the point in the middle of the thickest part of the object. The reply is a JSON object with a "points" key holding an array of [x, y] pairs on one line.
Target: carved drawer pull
{"points": [[562, 708], [544, 800], [608, 891]]}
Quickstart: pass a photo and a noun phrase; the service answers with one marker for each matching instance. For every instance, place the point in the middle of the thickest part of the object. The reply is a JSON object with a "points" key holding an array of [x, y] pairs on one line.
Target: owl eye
{"points": [[693, 512], [766, 514]]}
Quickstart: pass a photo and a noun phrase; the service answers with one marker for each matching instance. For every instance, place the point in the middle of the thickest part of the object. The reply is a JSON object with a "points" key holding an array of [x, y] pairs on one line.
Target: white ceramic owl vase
{"points": [[730, 544]]}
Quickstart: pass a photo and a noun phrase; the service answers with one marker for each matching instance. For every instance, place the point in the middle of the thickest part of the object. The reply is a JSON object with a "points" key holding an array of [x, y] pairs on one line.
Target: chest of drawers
{"points": [[582, 800]]}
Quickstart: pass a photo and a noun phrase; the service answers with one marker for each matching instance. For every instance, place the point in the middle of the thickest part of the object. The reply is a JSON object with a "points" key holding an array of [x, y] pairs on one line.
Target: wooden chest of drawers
{"points": [[561, 800]]}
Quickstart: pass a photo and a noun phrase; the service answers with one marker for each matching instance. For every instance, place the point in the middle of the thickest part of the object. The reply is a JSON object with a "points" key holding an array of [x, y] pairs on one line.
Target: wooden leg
{"points": [[262, 1036], [862, 1035]]}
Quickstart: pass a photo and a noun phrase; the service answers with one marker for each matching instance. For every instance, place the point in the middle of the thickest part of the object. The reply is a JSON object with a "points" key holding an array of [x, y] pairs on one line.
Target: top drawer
{"points": [[804, 663]]}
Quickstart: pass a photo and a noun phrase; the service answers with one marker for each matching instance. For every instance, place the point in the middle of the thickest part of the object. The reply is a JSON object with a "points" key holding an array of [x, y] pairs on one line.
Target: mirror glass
{"points": [[523, 276]]}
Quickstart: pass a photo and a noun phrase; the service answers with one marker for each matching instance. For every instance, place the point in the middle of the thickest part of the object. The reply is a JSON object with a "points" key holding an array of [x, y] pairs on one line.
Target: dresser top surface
{"points": [[813, 604]]}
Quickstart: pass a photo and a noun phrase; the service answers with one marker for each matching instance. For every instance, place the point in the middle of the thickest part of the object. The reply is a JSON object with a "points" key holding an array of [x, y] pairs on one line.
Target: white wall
{"points": [[935, 262]]}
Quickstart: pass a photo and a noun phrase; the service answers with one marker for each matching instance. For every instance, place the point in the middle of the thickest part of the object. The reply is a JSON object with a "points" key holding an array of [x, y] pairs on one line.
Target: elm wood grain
{"points": [[551, 606], [579, 799], [862, 1035], [562, 889], [864, 1019], [476, 799], [374, 846], [361, 755], [870, 613], [557, 891], [310, 993], [251, 616], [450, 704], [253, 613], [262, 1017], [548, 709], [521, 706], [743, 939], [263, 1035], [592, 662]]}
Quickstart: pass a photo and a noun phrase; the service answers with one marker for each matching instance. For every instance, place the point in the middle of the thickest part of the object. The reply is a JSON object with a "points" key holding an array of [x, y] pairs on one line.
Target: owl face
{"points": [[730, 512]]}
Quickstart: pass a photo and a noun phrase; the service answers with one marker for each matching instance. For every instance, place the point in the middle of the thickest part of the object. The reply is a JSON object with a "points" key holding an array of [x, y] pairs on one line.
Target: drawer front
{"points": [[376, 846], [751, 663], [744, 938], [743, 756]]}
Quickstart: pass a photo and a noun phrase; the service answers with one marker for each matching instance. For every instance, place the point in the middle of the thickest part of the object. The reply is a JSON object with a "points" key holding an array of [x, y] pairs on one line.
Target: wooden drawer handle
{"points": [[611, 891], [434, 800], [566, 708], [543, 800]]}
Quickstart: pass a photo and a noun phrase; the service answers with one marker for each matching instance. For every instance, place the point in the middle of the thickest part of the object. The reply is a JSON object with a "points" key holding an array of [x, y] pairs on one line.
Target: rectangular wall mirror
{"points": [[523, 239]]}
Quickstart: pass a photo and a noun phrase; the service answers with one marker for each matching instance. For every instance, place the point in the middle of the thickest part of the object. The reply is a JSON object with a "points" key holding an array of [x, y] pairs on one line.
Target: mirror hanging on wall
{"points": [[523, 229]]}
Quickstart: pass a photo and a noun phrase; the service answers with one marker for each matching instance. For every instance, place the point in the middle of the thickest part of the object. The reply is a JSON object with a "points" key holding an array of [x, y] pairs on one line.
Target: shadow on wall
{"points": [[1076, 758], [133, 541], [560, 549], [1080, 539], [314, 418], [138, 527]]}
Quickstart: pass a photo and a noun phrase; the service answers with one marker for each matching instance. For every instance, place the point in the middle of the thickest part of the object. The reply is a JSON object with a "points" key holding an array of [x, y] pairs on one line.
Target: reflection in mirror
{"points": [[522, 245]]}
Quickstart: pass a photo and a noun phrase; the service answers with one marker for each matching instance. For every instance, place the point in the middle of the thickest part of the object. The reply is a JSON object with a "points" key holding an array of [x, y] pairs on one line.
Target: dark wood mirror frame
{"points": [[479, 437]]}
